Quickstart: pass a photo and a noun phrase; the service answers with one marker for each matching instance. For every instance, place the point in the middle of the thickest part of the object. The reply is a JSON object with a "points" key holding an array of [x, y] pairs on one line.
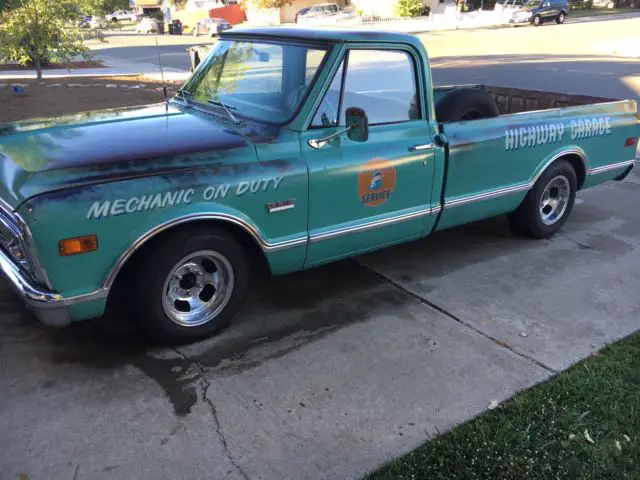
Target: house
{"points": [[386, 8]]}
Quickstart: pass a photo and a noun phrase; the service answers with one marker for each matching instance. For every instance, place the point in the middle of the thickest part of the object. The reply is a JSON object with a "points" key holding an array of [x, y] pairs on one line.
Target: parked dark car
{"points": [[536, 12], [211, 26]]}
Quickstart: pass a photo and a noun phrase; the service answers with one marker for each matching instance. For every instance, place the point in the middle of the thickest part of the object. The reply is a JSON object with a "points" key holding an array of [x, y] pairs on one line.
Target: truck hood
{"points": [[42, 155]]}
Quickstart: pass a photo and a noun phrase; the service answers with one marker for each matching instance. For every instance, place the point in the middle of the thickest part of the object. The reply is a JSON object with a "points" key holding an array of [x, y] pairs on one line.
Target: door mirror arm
{"points": [[321, 142]]}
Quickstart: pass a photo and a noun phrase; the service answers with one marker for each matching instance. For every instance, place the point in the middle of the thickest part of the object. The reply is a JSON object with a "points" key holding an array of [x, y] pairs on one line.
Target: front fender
{"points": [[125, 214]]}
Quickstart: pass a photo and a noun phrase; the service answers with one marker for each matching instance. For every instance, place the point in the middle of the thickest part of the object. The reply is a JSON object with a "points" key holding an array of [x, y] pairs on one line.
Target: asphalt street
{"points": [[330, 373], [582, 57]]}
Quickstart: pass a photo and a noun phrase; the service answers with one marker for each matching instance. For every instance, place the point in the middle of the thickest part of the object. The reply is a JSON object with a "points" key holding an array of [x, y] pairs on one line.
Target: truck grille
{"points": [[12, 242]]}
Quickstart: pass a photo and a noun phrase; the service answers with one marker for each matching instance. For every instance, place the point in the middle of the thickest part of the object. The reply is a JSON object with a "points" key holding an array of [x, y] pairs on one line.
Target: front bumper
{"points": [[520, 20], [49, 307]]}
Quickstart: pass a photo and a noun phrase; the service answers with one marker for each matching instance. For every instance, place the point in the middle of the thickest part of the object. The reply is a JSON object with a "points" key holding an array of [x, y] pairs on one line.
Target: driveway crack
{"points": [[438, 308], [204, 388]]}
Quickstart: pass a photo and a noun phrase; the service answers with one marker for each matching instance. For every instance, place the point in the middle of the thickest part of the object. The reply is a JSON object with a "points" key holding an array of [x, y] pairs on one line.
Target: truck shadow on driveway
{"points": [[280, 315]]}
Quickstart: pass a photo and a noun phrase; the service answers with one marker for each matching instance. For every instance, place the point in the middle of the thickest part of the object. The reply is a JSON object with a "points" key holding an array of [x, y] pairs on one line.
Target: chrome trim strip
{"points": [[423, 212], [281, 208], [478, 197], [613, 166], [250, 229], [486, 195]]}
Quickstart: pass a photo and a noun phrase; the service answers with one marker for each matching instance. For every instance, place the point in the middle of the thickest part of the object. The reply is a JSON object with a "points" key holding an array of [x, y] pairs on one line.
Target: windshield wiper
{"points": [[216, 101]]}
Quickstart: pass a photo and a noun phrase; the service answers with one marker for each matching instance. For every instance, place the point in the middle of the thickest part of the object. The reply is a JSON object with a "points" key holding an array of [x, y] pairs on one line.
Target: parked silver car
{"points": [[210, 27]]}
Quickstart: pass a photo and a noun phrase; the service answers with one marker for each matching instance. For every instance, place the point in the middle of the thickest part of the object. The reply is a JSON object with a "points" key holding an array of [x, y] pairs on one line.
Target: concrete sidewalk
{"points": [[114, 68]]}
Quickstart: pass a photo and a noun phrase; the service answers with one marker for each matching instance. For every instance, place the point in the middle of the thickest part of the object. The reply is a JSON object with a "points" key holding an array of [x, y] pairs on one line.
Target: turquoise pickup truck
{"points": [[290, 148]]}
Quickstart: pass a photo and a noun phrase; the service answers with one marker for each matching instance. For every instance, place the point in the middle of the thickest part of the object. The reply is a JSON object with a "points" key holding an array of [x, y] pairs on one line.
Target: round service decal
{"points": [[376, 182]]}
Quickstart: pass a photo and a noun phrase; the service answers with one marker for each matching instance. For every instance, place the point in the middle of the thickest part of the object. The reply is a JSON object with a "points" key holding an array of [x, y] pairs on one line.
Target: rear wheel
{"points": [[537, 21], [560, 18], [548, 204], [190, 286]]}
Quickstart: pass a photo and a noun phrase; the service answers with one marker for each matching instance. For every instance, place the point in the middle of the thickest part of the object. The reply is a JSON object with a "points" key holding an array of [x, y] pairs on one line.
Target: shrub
{"points": [[409, 8]]}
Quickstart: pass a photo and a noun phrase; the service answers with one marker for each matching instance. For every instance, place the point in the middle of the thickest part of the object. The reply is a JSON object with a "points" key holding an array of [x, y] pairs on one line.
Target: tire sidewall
{"points": [[561, 168], [157, 266], [561, 18], [537, 21]]}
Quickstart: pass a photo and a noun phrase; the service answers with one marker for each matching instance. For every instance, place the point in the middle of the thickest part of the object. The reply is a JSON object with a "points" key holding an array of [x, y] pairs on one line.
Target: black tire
{"points": [[527, 219], [560, 18], [155, 267], [466, 104], [537, 21]]}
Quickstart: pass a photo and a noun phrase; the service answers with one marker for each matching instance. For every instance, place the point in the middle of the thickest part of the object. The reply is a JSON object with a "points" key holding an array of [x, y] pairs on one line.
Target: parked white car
{"points": [[506, 8], [150, 25], [122, 16], [324, 13]]}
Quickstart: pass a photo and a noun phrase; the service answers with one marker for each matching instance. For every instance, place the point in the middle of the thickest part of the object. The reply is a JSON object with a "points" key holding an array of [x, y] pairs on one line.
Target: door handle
{"points": [[424, 146]]}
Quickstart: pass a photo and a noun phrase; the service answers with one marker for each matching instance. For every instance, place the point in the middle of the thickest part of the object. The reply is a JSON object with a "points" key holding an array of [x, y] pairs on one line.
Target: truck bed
{"points": [[514, 100]]}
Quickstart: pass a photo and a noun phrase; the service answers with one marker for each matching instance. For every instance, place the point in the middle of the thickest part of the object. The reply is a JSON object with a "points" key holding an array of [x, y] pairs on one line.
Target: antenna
{"points": [[164, 85]]}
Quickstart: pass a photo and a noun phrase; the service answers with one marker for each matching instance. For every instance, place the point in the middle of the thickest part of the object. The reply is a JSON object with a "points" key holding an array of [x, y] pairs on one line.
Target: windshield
{"points": [[257, 80], [532, 3]]}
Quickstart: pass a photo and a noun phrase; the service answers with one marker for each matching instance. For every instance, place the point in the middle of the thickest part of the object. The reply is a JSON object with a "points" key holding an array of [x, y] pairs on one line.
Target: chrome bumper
{"points": [[49, 307]]}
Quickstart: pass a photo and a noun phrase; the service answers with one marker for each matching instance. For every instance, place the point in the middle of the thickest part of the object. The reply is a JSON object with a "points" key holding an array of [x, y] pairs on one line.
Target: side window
{"points": [[383, 84], [327, 113]]}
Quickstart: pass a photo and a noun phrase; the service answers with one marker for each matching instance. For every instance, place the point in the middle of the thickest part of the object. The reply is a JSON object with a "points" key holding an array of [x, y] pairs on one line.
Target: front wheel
{"points": [[560, 18], [548, 204], [537, 21], [191, 285]]}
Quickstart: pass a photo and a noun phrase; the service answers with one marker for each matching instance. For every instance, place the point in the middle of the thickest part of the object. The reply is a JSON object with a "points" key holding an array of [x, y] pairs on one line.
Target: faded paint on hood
{"points": [[42, 155]]}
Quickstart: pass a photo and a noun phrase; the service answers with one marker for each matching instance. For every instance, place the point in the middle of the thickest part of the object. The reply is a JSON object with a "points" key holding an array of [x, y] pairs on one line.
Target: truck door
{"points": [[365, 195]]}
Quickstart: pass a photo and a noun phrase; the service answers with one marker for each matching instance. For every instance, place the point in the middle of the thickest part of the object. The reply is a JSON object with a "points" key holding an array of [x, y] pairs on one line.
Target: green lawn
{"points": [[581, 424], [601, 11]]}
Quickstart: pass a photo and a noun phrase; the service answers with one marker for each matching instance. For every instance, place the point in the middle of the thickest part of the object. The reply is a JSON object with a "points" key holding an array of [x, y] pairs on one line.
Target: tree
{"points": [[266, 4], [409, 8], [35, 31], [178, 4]]}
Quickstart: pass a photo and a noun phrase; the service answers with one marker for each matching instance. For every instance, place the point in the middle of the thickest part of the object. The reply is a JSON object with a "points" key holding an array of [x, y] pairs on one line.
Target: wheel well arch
{"points": [[579, 165], [578, 160], [252, 244]]}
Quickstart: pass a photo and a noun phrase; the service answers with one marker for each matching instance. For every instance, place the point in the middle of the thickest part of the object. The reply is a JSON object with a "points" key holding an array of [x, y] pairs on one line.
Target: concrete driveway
{"points": [[328, 373]]}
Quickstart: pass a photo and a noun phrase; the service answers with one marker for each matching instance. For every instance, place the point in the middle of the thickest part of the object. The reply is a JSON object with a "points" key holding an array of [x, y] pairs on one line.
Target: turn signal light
{"points": [[73, 246], [630, 142]]}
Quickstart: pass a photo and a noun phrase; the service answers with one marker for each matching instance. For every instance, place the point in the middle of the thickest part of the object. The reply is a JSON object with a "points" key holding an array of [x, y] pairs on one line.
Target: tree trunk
{"points": [[38, 66]]}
